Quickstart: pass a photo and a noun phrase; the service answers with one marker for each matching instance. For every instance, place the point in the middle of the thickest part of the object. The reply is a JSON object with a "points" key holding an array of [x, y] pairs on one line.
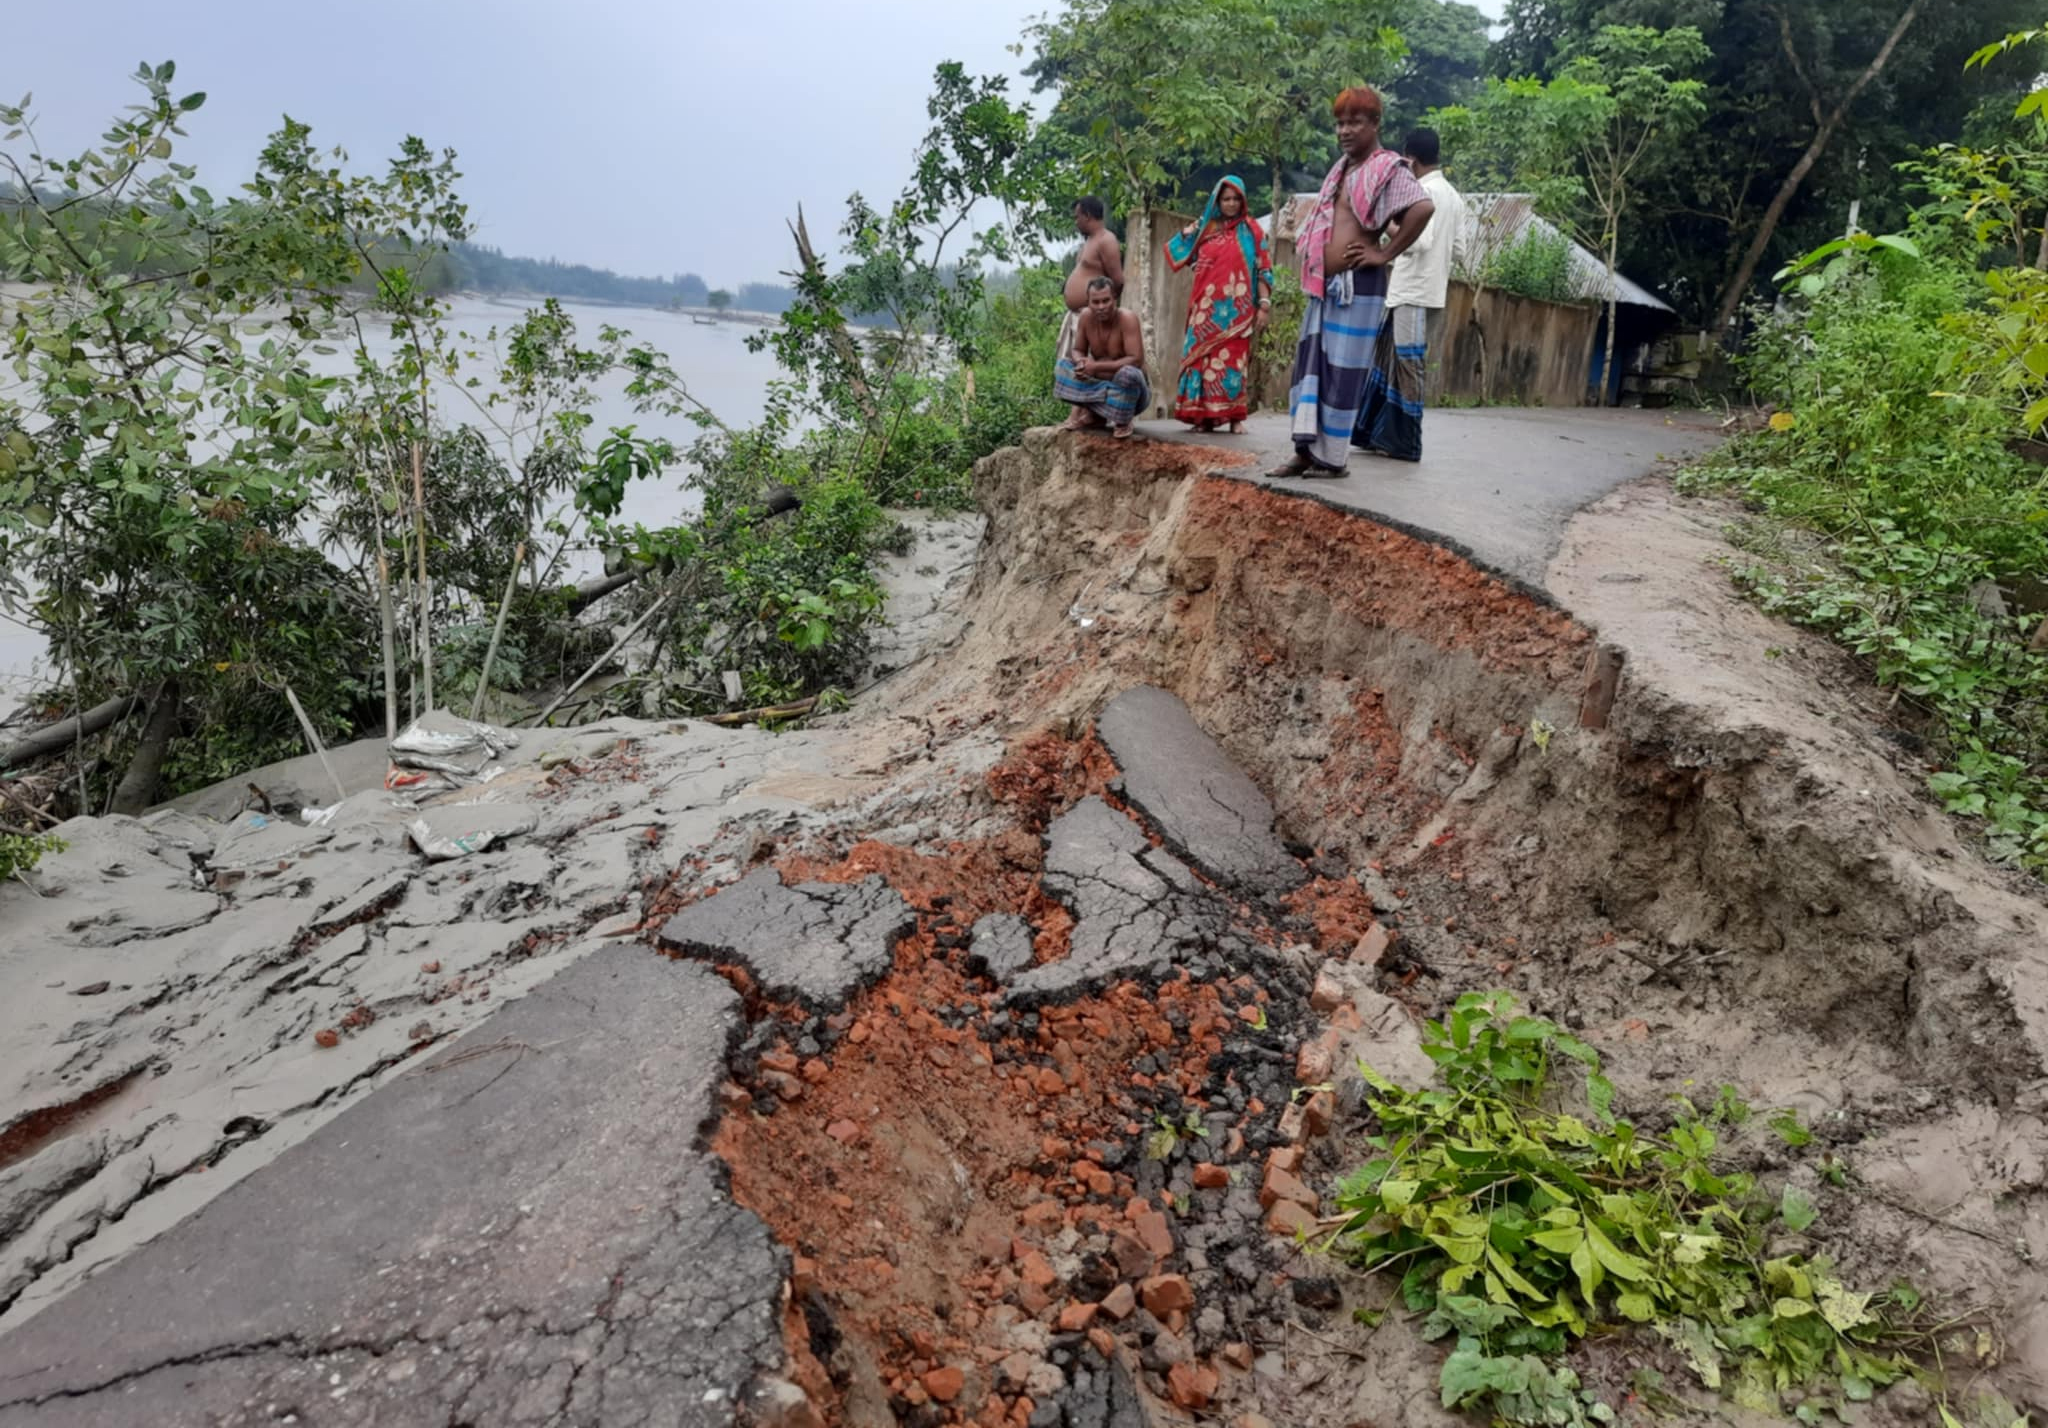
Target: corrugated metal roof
{"points": [[1496, 221]]}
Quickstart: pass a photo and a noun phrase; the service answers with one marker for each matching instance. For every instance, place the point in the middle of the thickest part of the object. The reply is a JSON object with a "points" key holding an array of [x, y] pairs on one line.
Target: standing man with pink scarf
{"points": [[1344, 269]]}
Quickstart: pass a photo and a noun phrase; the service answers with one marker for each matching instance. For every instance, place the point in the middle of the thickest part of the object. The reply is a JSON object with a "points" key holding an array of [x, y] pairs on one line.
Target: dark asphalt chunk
{"points": [[524, 1229], [1186, 786], [1001, 947], [1135, 908], [816, 943]]}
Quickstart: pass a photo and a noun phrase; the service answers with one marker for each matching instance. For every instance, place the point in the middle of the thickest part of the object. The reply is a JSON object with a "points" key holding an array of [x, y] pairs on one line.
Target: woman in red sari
{"points": [[1231, 301]]}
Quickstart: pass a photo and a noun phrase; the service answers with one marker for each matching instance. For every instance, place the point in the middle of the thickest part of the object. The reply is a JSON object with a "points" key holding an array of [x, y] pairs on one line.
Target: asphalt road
{"points": [[1497, 484]]}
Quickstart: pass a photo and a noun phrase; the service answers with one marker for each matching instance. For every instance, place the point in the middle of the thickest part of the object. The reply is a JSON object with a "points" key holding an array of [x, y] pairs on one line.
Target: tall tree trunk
{"points": [[1279, 200], [1613, 308], [137, 789], [842, 344], [419, 510], [1731, 296]]}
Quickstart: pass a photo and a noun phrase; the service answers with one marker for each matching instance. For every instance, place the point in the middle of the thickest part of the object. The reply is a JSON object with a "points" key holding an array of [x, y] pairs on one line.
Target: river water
{"points": [[712, 360]]}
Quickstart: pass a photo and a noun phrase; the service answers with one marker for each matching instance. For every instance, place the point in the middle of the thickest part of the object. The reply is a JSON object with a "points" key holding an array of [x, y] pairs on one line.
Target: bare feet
{"points": [[1237, 428]]}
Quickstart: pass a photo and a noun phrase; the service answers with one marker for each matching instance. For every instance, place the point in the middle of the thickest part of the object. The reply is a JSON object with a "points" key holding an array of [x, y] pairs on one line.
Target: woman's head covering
{"points": [[1213, 213], [1180, 248]]}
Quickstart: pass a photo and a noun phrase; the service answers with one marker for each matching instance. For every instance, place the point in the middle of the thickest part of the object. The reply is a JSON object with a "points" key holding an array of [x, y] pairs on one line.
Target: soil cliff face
{"points": [[1404, 708]]}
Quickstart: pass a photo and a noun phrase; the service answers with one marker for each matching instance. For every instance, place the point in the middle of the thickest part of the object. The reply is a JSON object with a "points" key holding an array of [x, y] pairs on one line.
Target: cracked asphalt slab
{"points": [[524, 1229], [1204, 805], [815, 943], [164, 981], [1137, 909]]}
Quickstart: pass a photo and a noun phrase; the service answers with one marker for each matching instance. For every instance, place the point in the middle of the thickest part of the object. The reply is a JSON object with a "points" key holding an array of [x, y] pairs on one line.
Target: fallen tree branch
{"points": [[52, 738], [754, 716]]}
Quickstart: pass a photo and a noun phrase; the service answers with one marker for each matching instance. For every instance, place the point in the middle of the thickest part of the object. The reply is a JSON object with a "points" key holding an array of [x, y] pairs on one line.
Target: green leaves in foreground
{"points": [[1519, 1227]]}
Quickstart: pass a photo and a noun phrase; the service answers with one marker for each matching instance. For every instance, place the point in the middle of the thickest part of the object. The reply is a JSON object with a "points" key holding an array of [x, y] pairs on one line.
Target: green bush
{"points": [[1536, 265], [19, 852], [1518, 1225], [1884, 445]]}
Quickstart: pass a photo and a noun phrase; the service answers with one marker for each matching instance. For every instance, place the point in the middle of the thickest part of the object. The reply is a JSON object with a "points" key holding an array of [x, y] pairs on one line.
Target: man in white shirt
{"points": [[1390, 419]]}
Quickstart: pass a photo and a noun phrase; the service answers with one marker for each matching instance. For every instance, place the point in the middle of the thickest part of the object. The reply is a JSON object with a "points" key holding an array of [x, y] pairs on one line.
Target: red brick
{"points": [[1293, 1127], [780, 1059], [1313, 1064], [1321, 1112], [1049, 1082], [944, 1384], [1238, 1356], [1191, 1386], [1120, 1302], [1076, 1317], [1044, 1215], [1211, 1177], [1104, 1341], [1328, 993], [1034, 1269], [788, 1087], [1165, 1293], [1287, 1157], [843, 1131], [1373, 946], [1154, 1233], [1285, 1185], [1289, 1219]]}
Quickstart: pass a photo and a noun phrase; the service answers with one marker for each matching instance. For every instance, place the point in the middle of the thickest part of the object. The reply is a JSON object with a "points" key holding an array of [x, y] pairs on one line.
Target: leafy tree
{"points": [[1611, 114], [1827, 119], [719, 299], [977, 151], [1151, 94], [1446, 60], [167, 440], [1774, 63]]}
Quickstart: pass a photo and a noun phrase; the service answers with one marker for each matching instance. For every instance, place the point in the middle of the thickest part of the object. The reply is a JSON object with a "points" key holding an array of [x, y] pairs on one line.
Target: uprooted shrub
{"points": [[1521, 1226]]}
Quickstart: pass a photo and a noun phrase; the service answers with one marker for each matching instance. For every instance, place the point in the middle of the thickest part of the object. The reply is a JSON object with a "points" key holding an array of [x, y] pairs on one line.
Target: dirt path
{"points": [[1003, 1043]]}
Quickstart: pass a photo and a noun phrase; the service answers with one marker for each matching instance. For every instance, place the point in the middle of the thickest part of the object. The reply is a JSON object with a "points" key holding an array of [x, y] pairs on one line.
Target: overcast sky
{"points": [[647, 136]]}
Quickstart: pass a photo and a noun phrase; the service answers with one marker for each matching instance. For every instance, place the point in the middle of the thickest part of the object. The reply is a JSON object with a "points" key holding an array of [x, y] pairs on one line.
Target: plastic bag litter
{"points": [[457, 829], [440, 751]]}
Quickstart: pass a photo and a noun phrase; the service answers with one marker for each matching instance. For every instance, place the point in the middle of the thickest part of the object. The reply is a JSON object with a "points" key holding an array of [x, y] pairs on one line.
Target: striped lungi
{"points": [[1332, 362], [1390, 416]]}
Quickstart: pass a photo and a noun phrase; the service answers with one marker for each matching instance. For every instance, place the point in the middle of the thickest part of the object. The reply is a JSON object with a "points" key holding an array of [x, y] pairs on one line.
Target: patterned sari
{"points": [[1230, 263]]}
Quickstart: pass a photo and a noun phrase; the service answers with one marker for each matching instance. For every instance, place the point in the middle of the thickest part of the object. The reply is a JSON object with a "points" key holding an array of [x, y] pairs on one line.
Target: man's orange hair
{"points": [[1359, 99]]}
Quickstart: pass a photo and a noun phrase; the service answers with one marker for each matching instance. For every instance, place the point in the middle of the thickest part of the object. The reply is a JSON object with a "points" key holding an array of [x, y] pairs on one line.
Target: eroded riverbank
{"points": [[989, 1057]]}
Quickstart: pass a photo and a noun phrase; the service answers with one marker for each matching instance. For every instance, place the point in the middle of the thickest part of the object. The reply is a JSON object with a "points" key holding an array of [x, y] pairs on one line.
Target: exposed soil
{"points": [[1688, 886]]}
